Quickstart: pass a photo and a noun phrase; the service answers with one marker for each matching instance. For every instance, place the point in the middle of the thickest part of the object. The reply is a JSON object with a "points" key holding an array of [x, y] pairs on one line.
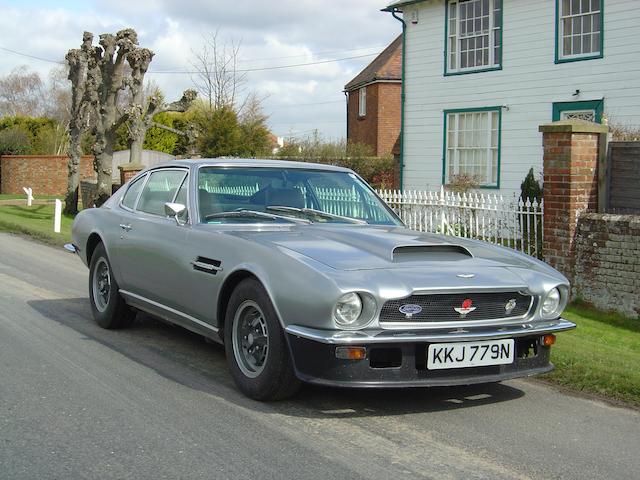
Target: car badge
{"points": [[511, 304], [466, 275], [466, 308], [410, 309]]}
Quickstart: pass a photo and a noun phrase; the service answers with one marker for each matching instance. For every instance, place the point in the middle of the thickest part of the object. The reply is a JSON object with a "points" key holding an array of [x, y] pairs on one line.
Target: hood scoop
{"points": [[429, 253]]}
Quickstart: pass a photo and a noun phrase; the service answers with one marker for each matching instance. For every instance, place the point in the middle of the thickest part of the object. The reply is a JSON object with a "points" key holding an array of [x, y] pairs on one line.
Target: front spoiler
{"points": [[467, 334]]}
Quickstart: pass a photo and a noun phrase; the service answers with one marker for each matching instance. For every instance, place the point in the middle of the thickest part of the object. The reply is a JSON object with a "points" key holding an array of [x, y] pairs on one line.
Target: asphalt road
{"points": [[157, 402]]}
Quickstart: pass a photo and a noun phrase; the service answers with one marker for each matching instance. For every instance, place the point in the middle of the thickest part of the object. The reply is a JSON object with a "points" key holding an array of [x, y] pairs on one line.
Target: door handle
{"points": [[125, 227]]}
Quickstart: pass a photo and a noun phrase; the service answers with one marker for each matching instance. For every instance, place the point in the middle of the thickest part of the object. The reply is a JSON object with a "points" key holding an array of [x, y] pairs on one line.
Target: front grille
{"points": [[441, 307]]}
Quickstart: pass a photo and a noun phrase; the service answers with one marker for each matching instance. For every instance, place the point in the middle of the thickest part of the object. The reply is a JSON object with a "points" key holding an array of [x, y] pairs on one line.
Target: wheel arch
{"points": [[92, 242], [242, 273]]}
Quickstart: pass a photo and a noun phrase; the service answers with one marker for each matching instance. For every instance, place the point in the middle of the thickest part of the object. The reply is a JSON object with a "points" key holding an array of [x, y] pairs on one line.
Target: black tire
{"points": [[273, 378], [108, 307]]}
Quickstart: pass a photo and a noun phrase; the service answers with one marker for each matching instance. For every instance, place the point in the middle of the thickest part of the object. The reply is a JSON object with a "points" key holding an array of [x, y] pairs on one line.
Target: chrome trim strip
{"points": [[360, 337], [171, 310]]}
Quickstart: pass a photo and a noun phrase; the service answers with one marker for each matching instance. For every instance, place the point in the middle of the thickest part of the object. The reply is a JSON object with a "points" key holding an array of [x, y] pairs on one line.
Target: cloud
{"points": [[271, 34]]}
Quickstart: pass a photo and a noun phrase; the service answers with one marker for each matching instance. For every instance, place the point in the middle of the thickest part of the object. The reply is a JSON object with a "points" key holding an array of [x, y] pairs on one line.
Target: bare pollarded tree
{"points": [[141, 118], [78, 60], [217, 78], [99, 75]]}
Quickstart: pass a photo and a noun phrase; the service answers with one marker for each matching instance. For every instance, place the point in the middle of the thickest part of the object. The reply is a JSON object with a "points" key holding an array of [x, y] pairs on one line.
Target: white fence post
{"points": [[29, 193], [57, 216]]}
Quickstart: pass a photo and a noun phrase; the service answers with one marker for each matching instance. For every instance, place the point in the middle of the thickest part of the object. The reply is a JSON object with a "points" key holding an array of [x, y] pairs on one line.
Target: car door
{"points": [[152, 261]]}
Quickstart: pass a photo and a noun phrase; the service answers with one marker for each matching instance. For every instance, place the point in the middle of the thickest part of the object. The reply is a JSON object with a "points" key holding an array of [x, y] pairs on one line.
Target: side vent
{"points": [[207, 265], [430, 253]]}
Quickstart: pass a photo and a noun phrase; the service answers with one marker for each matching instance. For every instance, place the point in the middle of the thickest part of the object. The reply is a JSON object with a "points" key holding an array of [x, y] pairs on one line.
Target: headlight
{"points": [[348, 309], [551, 303]]}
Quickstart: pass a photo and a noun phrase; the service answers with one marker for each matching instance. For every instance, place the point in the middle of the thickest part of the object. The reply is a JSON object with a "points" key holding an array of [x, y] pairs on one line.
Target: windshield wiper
{"points": [[253, 214], [313, 211]]}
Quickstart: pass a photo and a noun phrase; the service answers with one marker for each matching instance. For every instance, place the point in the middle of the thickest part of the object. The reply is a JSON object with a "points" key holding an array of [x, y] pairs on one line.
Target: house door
{"points": [[590, 111]]}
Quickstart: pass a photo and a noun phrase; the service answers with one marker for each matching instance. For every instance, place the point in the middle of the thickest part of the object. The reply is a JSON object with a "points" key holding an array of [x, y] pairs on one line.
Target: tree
{"points": [[220, 133], [217, 78], [253, 125], [142, 118], [22, 92], [100, 104]]}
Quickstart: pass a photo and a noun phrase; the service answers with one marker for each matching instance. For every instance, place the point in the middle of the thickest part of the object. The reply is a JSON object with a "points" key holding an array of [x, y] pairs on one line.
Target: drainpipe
{"points": [[346, 96], [402, 95]]}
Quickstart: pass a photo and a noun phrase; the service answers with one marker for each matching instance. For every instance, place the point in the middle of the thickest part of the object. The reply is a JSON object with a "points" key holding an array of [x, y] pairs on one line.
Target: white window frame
{"points": [[563, 15], [453, 37], [452, 152], [362, 101]]}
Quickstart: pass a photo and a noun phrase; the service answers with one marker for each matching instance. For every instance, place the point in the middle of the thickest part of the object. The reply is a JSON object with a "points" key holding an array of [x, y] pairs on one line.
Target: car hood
{"points": [[367, 247]]}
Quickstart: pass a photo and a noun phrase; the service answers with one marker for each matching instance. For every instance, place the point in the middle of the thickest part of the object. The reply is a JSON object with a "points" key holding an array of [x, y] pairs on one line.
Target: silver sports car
{"points": [[304, 274]]}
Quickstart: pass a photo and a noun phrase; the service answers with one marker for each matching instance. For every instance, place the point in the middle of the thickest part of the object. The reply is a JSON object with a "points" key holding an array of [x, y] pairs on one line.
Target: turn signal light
{"points": [[548, 340], [351, 353]]}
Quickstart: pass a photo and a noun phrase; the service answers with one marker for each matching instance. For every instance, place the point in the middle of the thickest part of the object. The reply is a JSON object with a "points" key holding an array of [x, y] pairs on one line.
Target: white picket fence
{"points": [[510, 222]]}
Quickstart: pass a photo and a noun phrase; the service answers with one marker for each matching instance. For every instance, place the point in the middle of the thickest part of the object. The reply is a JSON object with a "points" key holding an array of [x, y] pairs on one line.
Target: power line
{"points": [[273, 107], [275, 67], [15, 52], [245, 60], [190, 72]]}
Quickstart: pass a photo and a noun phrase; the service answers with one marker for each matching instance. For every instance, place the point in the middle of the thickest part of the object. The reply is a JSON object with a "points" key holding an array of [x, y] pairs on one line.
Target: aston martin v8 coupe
{"points": [[306, 275]]}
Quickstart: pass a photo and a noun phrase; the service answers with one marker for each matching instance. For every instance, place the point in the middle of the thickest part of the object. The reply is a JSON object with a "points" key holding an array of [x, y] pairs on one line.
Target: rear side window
{"points": [[129, 199], [160, 189]]}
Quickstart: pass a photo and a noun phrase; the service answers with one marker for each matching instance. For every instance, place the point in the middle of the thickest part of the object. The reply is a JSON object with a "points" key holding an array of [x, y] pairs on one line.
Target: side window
{"points": [[181, 197], [160, 189], [129, 199]]}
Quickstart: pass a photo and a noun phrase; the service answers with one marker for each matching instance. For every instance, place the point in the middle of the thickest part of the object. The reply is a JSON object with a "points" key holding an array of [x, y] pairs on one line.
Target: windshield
{"points": [[313, 195]]}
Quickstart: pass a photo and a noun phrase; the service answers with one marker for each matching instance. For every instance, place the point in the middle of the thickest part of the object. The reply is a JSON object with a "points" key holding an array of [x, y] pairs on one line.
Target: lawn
{"points": [[10, 196], [601, 356], [35, 221]]}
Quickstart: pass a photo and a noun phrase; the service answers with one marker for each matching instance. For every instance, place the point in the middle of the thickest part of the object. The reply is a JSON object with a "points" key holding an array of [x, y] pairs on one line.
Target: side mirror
{"points": [[173, 210]]}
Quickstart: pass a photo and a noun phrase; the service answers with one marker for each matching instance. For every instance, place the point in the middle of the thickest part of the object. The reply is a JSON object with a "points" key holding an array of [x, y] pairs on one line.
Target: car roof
{"points": [[248, 162]]}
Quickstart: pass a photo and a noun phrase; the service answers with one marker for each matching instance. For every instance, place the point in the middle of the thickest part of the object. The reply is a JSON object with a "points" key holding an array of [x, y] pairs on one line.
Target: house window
{"points": [[362, 101], [474, 35], [472, 145], [579, 29]]}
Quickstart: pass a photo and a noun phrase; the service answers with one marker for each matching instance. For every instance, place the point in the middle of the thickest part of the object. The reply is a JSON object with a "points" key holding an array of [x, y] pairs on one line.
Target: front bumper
{"points": [[398, 358]]}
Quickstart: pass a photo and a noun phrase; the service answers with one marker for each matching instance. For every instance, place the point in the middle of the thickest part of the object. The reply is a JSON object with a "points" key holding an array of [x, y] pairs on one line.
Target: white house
{"points": [[481, 75]]}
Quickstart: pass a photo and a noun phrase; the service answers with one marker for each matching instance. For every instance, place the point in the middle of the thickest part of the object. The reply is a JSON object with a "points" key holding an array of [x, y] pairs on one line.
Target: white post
{"points": [[57, 216], [29, 193]]}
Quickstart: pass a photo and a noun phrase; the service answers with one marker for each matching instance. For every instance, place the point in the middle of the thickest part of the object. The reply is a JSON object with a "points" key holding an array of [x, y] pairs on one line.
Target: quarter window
{"points": [[474, 35], [362, 101], [160, 189], [129, 199], [473, 145], [579, 29]]}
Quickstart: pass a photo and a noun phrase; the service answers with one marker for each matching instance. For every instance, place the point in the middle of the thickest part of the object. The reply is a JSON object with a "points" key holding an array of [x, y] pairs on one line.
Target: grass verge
{"points": [[36, 222], [601, 356]]}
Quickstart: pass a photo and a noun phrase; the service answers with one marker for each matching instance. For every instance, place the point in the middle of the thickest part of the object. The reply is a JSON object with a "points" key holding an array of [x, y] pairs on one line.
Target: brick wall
{"points": [[380, 127], [46, 174], [364, 129], [607, 266], [388, 116]]}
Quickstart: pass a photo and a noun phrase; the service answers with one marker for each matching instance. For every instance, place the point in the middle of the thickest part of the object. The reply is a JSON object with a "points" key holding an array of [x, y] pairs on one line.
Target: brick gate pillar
{"points": [[570, 168]]}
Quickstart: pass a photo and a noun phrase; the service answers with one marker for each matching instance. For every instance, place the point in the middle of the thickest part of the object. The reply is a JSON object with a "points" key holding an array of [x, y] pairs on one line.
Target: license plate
{"points": [[470, 354]]}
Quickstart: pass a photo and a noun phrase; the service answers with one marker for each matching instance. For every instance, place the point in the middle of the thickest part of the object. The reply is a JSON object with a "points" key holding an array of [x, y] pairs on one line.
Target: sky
{"points": [[273, 36]]}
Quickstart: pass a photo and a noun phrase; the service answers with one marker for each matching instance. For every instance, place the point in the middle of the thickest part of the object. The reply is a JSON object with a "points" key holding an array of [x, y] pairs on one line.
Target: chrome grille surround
{"points": [[440, 308]]}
